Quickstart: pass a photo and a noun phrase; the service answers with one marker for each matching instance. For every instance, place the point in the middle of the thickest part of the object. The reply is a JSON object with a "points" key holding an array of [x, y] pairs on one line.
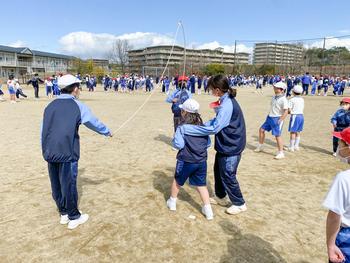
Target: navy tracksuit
{"points": [[61, 148]]}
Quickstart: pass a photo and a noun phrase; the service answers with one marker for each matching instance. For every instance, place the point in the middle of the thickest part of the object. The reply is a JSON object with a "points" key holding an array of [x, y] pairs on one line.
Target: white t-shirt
{"points": [[338, 197], [278, 105], [296, 105]]}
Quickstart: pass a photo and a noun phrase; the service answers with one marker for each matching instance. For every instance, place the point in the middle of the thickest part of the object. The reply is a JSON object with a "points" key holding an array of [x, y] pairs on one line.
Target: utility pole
{"points": [[323, 56], [235, 61]]}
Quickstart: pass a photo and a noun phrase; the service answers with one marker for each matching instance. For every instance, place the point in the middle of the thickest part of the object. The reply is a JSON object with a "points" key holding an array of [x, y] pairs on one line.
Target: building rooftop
{"points": [[28, 51]]}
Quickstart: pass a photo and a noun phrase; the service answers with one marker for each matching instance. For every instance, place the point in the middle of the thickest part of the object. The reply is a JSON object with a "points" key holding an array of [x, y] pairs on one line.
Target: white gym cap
{"points": [[298, 89], [280, 85], [67, 80], [190, 105]]}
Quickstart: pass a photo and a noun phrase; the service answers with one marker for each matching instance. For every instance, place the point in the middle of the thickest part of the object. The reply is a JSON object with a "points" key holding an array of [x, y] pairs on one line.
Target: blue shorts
{"points": [[343, 242], [11, 90], [296, 123], [196, 172], [271, 124]]}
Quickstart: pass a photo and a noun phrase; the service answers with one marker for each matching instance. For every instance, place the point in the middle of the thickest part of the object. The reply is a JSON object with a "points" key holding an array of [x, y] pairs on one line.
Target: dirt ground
{"points": [[124, 182]]}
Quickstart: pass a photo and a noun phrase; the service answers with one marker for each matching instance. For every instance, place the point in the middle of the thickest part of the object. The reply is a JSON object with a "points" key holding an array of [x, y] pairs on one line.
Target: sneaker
{"points": [[297, 148], [208, 212], [334, 154], [258, 149], [279, 156], [64, 220], [76, 222], [219, 201], [291, 149], [234, 209], [171, 204]]}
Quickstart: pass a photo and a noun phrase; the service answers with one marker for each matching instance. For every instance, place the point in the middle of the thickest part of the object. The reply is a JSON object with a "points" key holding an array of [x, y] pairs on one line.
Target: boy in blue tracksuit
{"points": [[340, 120], [61, 147], [306, 81]]}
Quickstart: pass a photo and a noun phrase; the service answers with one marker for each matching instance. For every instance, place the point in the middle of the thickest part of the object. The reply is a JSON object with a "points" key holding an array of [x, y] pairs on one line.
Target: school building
{"points": [[152, 60], [271, 53], [22, 61]]}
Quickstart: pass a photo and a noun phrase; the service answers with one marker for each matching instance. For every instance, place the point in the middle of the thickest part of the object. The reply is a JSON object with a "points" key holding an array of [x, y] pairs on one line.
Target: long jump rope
{"points": [[162, 76]]}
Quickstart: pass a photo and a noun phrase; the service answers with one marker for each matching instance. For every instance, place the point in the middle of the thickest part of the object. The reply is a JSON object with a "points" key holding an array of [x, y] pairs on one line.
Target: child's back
{"points": [[195, 149]]}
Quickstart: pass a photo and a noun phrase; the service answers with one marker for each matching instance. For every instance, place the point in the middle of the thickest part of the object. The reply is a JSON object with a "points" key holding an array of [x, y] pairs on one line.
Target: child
{"points": [[340, 120], [60, 147], [19, 90], [296, 124], [274, 121], [48, 86], [11, 88], [1, 92], [338, 204], [191, 159], [178, 97]]}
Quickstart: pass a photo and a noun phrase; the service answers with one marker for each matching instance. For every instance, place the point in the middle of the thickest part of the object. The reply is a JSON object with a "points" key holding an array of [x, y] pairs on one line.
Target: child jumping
{"points": [[275, 119], [340, 120], [296, 124], [191, 159]]}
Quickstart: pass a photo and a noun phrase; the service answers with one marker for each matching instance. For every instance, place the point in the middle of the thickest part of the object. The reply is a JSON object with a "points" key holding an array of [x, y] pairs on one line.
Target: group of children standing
{"points": [[280, 108]]}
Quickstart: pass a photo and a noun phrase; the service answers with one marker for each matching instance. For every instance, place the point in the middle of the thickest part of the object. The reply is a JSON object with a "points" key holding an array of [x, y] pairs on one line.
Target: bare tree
{"points": [[119, 52]]}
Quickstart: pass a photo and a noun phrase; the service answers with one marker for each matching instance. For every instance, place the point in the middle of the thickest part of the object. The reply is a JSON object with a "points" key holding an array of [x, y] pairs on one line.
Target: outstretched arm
{"points": [[90, 121]]}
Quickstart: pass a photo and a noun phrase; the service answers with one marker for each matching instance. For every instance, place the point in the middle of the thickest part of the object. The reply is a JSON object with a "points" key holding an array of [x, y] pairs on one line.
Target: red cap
{"points": [[343, 135], [214, 104], [346, 100], [183, 78]]}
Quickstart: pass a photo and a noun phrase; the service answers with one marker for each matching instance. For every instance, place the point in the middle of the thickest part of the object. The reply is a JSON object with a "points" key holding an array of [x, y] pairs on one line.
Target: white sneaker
{"points": [[171, 204], [258, 149], [234, 209], [297, 148], [81, 220], [64, 220], [208, 212], [334, 154], [219, 201], [291, 149], [279, 156]]}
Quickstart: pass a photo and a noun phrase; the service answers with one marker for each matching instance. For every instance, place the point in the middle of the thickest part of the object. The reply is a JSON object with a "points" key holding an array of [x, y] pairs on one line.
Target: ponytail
{"points": [[232, 92], [221, 82]]}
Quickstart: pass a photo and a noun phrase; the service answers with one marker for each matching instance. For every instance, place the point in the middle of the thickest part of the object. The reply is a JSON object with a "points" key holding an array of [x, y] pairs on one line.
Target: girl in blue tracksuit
{"points": [[230, 140]]}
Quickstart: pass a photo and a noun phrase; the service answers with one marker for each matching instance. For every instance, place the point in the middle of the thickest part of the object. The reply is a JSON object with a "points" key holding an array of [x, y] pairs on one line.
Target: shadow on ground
{"points": [[247, 248], [82, 181], [163, 138], [308, 147], [162, 183]]}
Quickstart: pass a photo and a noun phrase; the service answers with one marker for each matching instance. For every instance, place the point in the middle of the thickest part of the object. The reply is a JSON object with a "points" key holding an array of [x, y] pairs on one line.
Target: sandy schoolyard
{"points": [[124, 182]]}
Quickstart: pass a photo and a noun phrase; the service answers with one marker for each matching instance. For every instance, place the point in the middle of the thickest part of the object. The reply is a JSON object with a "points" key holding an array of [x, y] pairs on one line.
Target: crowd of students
{"points": [[62, 116]]}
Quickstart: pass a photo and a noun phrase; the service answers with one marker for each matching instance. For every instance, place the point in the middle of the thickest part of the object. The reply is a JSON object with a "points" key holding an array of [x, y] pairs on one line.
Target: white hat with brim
{"points": [[67, 80], [298, 89], [280, 85], [190, 105]]}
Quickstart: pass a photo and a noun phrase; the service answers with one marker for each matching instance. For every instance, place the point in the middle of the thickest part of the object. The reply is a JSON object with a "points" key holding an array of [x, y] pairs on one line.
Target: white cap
{"points": [[298, 89], [67, 80], [280, 85], [190, 105]]}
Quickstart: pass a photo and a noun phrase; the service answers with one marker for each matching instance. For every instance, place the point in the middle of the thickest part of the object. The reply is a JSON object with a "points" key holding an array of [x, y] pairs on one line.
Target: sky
{"points": [[88, 28]]}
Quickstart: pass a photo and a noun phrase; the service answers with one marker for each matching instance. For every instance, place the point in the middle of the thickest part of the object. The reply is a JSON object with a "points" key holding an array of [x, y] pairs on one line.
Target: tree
{"points": [[214, 69], [119, 52]]}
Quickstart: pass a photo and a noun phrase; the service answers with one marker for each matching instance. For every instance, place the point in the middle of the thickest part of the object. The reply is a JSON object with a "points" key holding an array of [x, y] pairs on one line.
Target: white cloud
{"points": [[18, 43], [227, 48], [86, 44], [97, 45], [331, 42]]}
